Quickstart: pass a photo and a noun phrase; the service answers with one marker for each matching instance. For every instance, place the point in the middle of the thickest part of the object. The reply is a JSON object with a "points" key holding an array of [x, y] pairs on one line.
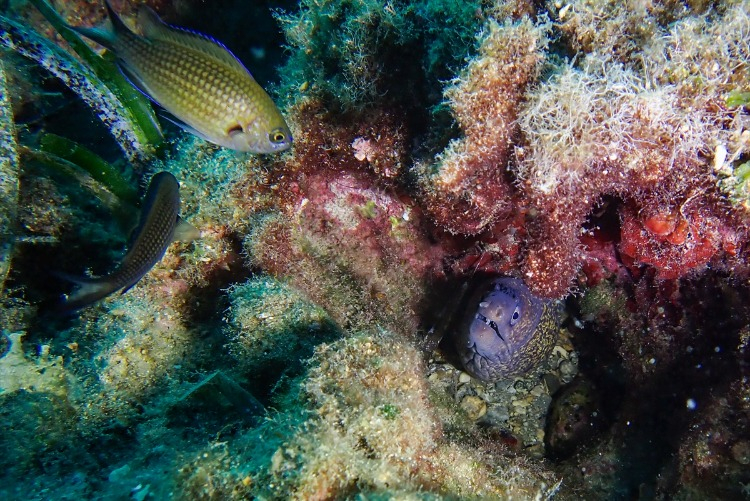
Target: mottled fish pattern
{"points": [[159, 224], [197, 80], [506, 330]]}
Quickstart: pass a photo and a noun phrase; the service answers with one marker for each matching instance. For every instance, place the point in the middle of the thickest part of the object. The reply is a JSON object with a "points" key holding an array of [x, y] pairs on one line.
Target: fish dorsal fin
{"points": [[155, 29]]}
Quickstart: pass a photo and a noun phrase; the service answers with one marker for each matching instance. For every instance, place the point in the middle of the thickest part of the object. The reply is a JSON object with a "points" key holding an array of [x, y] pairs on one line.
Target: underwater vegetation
{"points": [[8, 175], [564, 184], [122, 108]]}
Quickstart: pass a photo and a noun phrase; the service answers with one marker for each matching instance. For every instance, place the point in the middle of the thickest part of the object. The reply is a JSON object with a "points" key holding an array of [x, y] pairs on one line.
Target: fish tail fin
{"points": [[108, 34], [118, 26], [89, 291]]}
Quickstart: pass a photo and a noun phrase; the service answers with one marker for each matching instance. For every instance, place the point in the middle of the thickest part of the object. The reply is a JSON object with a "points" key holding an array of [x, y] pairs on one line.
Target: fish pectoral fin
{"points": [[74, 279], [185, 232], [182, 125], [136, 81]]}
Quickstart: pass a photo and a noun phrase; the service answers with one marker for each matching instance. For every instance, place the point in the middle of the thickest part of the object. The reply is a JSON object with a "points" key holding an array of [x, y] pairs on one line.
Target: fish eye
{"points": [[277, 136], [516, 316]]}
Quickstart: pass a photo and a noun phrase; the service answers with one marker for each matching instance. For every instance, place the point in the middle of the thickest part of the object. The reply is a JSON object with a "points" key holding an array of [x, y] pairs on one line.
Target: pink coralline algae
{"points": [[354, 247], [545, 145], [599, 129], [468, 189], [677, 242]]}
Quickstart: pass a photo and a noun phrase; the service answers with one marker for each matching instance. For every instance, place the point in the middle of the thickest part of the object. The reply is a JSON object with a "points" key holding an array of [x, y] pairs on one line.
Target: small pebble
{"points": [[475, 407], [567, 369], [498, 414]]}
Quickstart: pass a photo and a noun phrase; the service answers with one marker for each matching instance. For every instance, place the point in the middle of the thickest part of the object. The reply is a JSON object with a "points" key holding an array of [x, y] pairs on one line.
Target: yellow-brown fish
{"points": [[197, 80], [158, 226]]}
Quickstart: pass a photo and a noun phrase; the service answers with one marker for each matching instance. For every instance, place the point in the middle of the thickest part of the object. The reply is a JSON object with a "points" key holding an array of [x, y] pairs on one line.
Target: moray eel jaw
{"points": [[506, 330]]}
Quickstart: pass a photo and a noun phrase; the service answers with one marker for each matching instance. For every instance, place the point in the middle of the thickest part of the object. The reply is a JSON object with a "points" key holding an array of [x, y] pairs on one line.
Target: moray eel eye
{"points": [[515, 317], [277, 136]]}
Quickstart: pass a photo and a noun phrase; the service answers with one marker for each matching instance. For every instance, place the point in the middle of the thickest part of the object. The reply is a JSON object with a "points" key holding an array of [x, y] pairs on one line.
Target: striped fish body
{"points": [[198, 81], [154, 233], [156, 229]]}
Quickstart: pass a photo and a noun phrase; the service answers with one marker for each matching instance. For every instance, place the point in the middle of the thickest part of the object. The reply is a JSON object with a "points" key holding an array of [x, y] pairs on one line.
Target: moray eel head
{"points": [[506, 330]]}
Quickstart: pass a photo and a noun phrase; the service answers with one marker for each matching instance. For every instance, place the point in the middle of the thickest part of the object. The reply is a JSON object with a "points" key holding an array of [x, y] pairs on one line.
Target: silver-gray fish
{"points": [[158, 226], [506, 330], [197, 80]]}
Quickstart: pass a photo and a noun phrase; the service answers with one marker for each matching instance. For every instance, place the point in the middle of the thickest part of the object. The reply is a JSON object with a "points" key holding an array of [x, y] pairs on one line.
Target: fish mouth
{"points": [[489, 323], [282, 147]]}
